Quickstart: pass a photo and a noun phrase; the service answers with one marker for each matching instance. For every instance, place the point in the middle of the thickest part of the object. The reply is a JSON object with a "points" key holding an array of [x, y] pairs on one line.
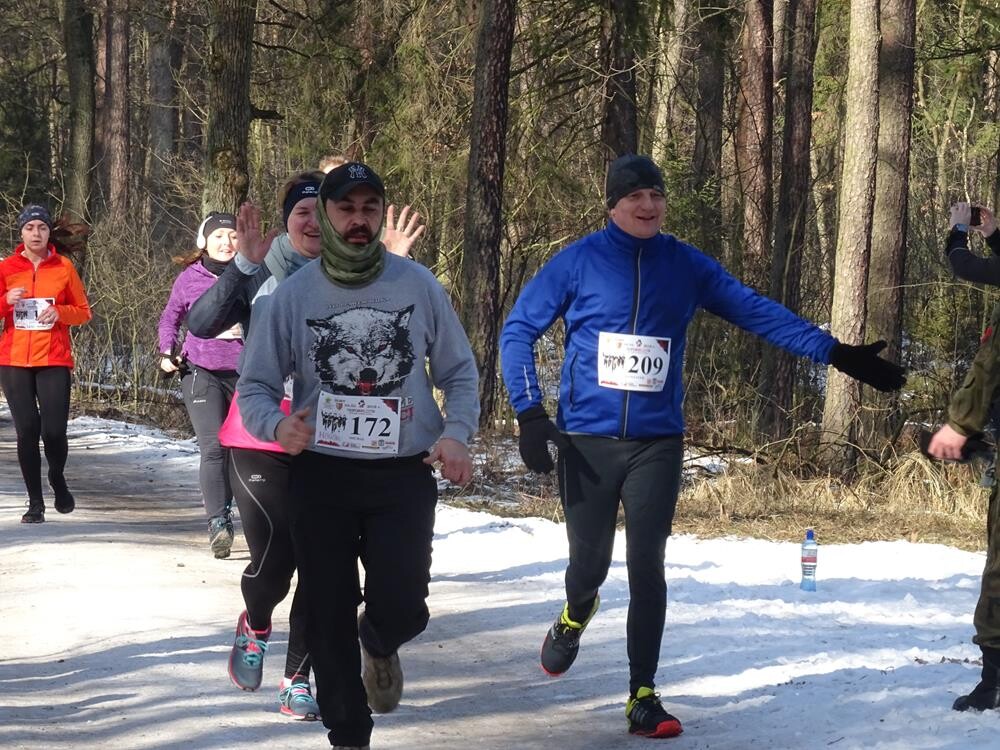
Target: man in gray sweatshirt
{"points": [[365, 335]]}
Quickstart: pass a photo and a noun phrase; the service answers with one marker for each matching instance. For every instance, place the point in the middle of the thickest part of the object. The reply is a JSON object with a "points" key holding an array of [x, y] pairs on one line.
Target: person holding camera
{"points": [[965, 218], [207, 367]]}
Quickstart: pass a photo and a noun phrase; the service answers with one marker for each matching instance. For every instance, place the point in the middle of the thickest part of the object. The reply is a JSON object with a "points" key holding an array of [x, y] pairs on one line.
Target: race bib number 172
{"points": [[363, 424], [632, 363]]}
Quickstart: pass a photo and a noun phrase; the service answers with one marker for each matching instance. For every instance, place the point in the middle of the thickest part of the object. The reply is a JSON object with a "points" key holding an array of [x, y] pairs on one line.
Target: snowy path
{"points": [[117, 625]]}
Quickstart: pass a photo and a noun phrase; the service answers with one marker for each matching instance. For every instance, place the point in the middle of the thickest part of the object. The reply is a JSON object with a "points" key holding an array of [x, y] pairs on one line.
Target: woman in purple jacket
{"points": [[208, 366]]}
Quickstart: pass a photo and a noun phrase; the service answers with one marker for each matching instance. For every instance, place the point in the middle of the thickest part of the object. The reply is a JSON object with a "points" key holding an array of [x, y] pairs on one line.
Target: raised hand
{"points": [[252, 245], [400, 235]]}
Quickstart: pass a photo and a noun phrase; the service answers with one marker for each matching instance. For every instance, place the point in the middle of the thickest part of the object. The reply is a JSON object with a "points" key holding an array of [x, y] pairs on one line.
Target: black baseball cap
{"points": [[342, 180]]}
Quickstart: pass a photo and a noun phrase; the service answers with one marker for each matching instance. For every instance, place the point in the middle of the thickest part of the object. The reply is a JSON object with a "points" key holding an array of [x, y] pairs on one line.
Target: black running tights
{"points": [[260, 486], [596, 475], [38, 398]]}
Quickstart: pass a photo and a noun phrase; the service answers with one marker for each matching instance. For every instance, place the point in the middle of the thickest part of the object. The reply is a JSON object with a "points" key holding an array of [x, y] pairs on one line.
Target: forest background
{"points": [[813, 146]]}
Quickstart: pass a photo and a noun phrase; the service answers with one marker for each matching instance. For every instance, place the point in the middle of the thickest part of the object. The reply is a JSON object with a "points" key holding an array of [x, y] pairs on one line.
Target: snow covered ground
{"points": [[117, 624]]}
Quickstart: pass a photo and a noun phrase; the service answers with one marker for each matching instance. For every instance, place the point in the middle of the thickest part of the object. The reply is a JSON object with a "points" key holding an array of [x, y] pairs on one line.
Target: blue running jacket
{"points": [[611, 282]]}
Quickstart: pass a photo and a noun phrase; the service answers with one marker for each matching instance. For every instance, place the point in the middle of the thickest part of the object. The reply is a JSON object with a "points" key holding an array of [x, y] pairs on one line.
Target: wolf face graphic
{"points": [[363, 351]]}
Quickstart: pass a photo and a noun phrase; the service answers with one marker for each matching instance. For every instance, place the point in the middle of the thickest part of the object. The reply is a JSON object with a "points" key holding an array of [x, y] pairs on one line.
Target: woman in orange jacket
{"points": [[41, 295]]}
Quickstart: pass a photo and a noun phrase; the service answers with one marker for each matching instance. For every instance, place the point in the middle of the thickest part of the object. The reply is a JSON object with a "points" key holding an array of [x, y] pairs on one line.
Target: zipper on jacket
{"points": [[572, 381], [636, 291]]}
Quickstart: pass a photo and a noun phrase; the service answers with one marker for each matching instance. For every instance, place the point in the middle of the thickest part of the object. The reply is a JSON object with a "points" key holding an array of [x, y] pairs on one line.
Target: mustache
{"points": [[362, 232]]}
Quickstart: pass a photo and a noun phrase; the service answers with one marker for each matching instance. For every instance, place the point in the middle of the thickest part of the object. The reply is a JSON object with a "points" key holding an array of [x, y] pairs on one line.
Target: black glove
{"points": [[863, 363], [975, 448], [536, 432]]}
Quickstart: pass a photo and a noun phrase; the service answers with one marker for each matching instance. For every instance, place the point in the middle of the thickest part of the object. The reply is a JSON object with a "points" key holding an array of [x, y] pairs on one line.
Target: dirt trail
{"points": [[118, 623]]}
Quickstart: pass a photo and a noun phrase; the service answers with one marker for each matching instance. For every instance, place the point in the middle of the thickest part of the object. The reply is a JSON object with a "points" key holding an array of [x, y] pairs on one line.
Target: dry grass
{"points": [[911, 498]]}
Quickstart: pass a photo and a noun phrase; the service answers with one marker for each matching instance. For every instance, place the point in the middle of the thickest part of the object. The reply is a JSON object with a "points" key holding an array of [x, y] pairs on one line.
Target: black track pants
{"points": [[38, 398], [207, 394], [260, 486], [379, 511], [595, 474]]}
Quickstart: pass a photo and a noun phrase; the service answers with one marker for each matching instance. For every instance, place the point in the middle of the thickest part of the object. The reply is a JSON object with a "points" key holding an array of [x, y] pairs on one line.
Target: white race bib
{"points": [[26, 311], [632, 363], [364, 424]]}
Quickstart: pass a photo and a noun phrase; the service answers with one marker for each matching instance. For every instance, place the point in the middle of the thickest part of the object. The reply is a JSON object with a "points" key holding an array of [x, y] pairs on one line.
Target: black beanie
{"points": [[33, 212], [215, 220], [630, 173]]}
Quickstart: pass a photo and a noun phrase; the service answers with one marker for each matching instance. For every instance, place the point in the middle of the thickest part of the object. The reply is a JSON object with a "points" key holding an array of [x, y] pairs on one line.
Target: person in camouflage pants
{"points": [[968, 414]]}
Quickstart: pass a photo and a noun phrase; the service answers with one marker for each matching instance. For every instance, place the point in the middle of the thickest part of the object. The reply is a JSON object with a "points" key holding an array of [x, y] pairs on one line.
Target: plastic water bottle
{"points": [[809, 562]]}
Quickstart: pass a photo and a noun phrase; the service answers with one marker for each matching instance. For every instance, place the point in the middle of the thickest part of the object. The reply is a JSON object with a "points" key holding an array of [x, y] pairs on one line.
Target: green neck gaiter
{"points": [[343, 262]]}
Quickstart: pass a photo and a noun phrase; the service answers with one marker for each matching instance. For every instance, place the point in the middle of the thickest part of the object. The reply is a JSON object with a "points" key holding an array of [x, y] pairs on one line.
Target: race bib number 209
{"points": [[632, 363]]}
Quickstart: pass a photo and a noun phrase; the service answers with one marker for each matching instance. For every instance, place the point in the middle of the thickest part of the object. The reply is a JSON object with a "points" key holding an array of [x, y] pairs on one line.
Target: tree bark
{"points": [[78, 38], [754, 141], [708, 36], [162, 62], [857, 198], [674, 55], [480, 303], [891, 213], [778, 379], [620, 125], [227, 179], [119, 111]]}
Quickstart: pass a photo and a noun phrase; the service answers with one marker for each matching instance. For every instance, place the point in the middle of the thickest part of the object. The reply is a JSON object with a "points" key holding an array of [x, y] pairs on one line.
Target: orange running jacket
{"points": [[57, 278]]}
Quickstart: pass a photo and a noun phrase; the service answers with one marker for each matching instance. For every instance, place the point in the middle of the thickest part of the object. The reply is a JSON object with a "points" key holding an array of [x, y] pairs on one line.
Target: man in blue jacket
{"points": [[626, 295]]}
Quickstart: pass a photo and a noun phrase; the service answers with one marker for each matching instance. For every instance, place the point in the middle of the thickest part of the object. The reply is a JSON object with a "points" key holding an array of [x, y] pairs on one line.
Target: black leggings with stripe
{"points": [[38, 398], [260, 486]]}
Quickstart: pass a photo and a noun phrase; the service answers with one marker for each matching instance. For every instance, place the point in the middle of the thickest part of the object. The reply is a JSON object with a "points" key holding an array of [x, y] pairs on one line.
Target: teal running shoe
{"points": [[297, 702], [246, 660]]}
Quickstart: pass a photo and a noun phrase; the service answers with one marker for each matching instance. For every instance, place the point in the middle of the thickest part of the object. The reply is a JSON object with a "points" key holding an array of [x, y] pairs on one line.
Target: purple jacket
{"points": [[211, 354]]}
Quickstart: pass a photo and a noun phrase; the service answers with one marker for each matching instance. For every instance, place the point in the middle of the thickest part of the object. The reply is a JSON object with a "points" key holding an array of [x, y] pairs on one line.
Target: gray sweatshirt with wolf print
{"points": [[364, 361]]}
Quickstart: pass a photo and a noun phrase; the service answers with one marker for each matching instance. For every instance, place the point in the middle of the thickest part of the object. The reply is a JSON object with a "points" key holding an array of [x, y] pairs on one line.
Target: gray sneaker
{"points": [[383, 680], [221, 535]]}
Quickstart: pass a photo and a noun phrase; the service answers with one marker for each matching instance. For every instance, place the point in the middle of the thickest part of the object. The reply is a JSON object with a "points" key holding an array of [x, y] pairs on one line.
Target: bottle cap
{"points": [[809, 534]]}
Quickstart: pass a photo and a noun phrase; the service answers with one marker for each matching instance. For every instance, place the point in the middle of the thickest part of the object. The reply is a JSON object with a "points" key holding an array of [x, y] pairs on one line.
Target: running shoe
{"points": [[246, 660], [647, 717], [34, 515], [64, 501], [562, 642], [220, 535], [297, 701], [382, 677], [350, 747]]}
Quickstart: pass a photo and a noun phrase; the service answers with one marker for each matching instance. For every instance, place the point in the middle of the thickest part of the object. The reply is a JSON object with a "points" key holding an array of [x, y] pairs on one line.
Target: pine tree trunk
{"points": [[620, 126], [890, 223], [755, 122], [480, 305], [163, 59], [674, 56], [119, 111], [778, 381], [708, 37], [78, 37], [229, 110], [857, 198]]}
